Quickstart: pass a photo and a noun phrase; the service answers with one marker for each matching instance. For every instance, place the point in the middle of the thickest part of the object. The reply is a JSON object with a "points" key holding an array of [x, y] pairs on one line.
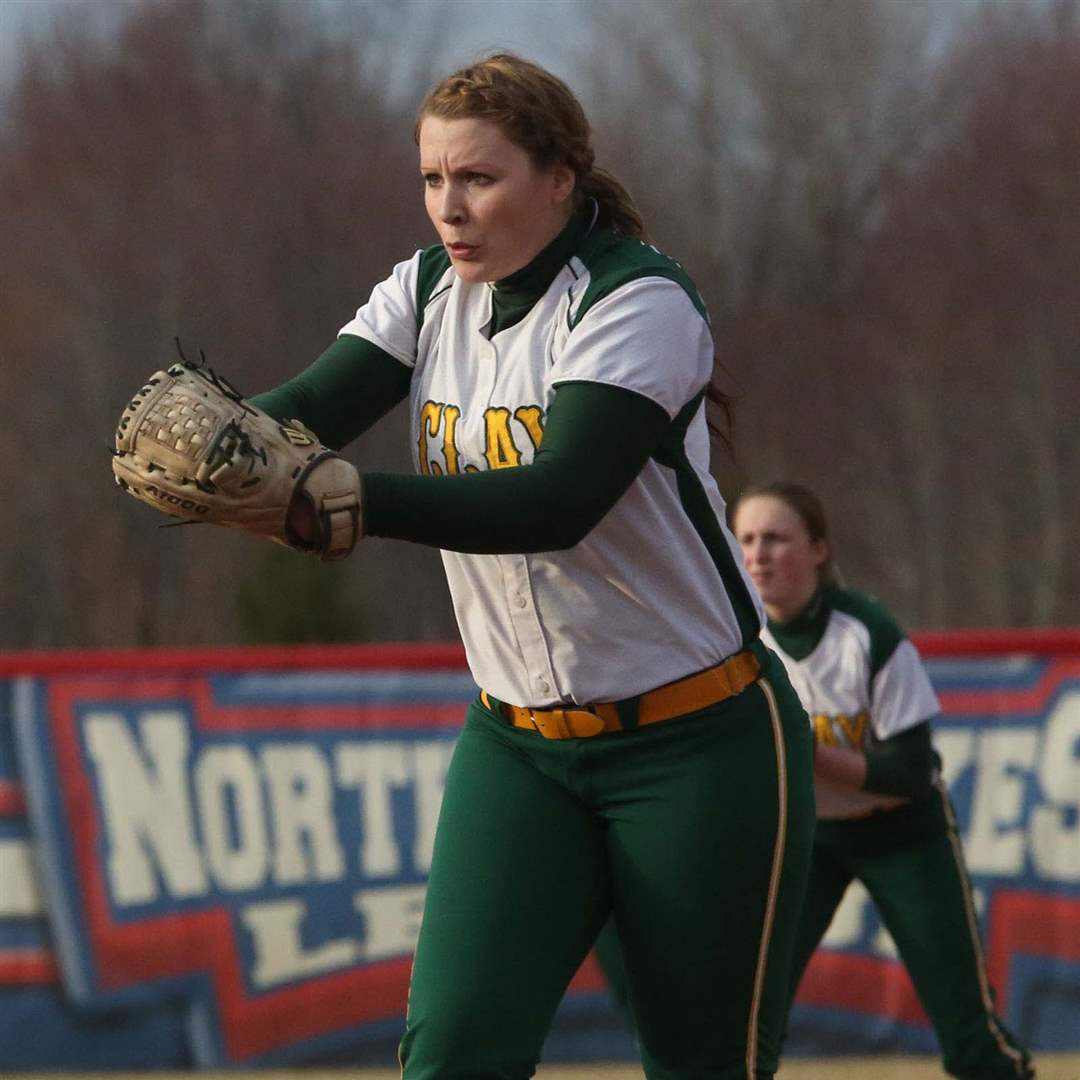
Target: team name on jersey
{"points": [[504, 441], [841, 729]]}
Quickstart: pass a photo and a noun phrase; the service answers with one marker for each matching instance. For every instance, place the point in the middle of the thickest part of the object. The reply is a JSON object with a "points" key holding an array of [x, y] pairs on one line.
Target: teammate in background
{"points": [[884, 816], [635, 749]]}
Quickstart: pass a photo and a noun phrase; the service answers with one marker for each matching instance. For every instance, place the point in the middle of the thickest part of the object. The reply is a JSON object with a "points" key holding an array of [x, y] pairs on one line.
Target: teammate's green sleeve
{"points": [[902, 765], [350, 386], [596, 440]]}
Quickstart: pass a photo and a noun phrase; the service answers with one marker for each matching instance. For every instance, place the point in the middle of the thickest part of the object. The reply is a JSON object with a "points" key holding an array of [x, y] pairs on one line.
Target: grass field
{"points": [[1050, 1067]]}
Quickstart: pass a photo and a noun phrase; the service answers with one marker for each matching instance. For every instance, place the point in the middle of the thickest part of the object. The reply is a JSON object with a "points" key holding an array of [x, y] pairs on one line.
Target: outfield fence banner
{"points": [[218, 857]]}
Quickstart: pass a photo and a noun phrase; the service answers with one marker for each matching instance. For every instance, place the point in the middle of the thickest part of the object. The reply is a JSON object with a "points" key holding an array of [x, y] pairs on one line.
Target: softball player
{"points": [[635, 749], [884, 816]]}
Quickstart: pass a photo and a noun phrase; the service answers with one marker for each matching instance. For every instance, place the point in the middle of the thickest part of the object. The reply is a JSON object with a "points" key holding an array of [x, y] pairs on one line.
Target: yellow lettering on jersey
{"points": [[531, 417], [823, 730], [854, 728], [430, 420], [450, 451], [501, 452]]}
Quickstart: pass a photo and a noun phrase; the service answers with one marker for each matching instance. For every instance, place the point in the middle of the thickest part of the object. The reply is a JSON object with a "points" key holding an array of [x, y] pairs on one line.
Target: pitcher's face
{"points": [[493, 209]]}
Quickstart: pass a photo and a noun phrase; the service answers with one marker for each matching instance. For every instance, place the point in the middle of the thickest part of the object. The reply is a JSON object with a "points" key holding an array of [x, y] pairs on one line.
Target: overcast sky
{"points": [[537, 28]]}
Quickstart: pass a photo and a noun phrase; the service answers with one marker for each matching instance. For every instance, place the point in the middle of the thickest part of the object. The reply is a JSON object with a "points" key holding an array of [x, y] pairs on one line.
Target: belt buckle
{"points": [[567, 723]]}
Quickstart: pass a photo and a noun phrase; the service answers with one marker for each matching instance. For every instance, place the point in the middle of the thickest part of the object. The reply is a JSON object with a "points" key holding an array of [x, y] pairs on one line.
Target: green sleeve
{"points": [[596, 440], [350, 386], [903, 765]]}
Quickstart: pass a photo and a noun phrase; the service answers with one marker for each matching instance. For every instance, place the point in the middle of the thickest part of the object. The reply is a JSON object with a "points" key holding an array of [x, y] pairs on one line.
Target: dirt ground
{"points": [[1049, 1066]]}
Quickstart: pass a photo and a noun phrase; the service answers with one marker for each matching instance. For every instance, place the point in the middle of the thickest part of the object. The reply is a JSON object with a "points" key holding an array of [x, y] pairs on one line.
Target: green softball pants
{"points": [[911, 863], [695, 833]]}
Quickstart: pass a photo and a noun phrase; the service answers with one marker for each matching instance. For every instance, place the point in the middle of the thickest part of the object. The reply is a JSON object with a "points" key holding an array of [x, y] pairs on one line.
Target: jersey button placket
{"points": [[489, 358], [522, 608]]}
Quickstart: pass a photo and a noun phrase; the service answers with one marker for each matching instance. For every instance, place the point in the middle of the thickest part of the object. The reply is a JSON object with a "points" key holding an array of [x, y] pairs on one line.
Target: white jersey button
{"points": [[542, 686], [520, 601]]}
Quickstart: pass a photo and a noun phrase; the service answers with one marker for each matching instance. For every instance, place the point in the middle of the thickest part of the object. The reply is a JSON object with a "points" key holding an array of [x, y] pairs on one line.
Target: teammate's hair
{"points": [[811, 512], [538, 112]]}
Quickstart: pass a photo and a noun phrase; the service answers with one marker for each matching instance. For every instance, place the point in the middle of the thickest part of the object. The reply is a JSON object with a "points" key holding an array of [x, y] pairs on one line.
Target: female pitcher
{"points": [[556, 367]]}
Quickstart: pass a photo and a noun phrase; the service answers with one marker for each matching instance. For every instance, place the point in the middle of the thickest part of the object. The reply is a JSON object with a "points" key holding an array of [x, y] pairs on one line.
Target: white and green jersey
{"points": [[656, 590], [860, 679]]}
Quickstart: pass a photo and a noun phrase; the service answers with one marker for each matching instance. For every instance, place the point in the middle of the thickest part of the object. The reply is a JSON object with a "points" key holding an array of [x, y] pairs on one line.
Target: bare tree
{"points": [[879, 204], [227, 172], [975, 271], [776, 124], [882, 209]]}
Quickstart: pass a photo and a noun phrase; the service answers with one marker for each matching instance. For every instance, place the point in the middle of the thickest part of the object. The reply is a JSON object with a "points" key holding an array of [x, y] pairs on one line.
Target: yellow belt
{"points": [[683, 696]]}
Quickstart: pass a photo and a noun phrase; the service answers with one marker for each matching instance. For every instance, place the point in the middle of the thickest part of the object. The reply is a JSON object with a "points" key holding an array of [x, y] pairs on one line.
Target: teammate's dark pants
{"points": [[911, 863], [695, 832]]}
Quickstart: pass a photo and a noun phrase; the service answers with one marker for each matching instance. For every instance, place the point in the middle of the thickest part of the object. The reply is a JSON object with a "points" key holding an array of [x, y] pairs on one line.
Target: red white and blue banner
{"points": [[218, 857]]}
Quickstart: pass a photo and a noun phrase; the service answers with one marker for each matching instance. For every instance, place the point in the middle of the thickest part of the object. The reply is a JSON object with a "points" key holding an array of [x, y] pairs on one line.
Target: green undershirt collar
{"points": [[513, 297], [800, 635]]}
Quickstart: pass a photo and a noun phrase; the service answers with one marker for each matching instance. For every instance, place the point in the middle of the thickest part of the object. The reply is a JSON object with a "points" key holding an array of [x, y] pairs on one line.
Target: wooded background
{"points": [[880, 200]]}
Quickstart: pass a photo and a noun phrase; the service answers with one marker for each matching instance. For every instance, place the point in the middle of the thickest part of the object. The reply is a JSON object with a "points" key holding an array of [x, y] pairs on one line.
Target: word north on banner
{"points": [[257, 846]]}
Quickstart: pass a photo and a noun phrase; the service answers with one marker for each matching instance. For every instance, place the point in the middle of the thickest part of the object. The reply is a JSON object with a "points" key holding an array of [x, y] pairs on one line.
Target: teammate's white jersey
{"points": [[657, 589], [860, 679]]}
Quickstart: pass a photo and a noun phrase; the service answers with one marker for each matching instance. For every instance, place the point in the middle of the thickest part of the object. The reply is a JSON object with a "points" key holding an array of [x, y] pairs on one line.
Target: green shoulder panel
{"points": [[614, 260], [434, 262], [885, 632]]}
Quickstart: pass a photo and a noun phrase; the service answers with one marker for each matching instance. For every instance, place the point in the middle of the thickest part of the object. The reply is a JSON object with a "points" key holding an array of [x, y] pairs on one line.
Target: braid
{"points": [[617, 209]]}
